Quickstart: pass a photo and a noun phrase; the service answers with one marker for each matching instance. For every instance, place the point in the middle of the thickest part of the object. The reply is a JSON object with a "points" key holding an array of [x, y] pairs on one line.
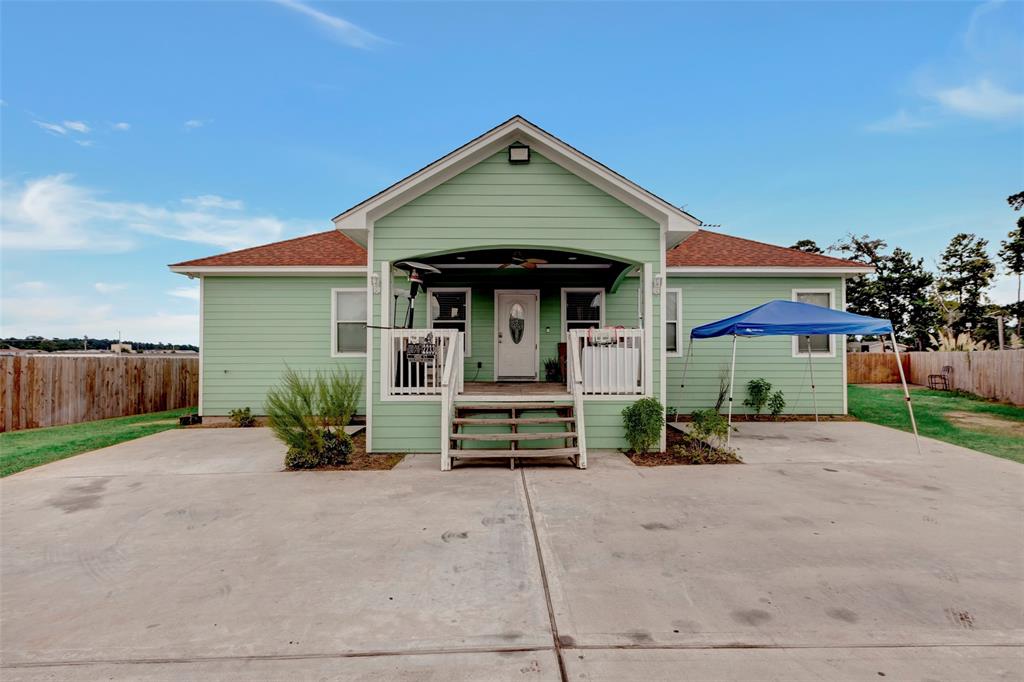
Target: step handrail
{"points": [[451, 385], [576, 381]]}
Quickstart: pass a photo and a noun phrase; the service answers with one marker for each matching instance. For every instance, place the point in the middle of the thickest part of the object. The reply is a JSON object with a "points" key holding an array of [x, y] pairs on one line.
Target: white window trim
{"points": [[468, 291], [335, 321], [678, 352], [595, 290], [797, 353]]}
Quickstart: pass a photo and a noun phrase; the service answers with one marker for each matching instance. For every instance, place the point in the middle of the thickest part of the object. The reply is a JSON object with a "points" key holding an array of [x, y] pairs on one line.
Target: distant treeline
{"points": [[51, 345]]}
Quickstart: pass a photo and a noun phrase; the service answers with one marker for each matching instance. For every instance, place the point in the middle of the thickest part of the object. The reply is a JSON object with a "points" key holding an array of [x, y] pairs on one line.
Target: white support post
{"points": [[810, 365], [732, 381], [906, 392]]}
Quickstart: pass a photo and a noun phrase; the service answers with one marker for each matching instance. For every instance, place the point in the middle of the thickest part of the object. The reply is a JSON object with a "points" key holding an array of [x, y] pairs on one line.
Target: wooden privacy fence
{"points": [[875, 368], [997, 374], [51, 390]]}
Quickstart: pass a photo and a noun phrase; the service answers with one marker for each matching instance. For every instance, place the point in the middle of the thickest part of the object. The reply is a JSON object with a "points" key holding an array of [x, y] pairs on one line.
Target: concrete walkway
{"points": [[836, 552]]}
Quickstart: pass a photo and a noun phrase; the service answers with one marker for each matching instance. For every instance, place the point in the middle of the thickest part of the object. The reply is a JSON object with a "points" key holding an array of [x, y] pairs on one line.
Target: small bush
{"points": [[758, 392], [699, 455], [308, 413], [242, 417], [671, 414], [335, 452], [709, 425], [643, 421], [708, 431], [777, 403], [552, 369]]}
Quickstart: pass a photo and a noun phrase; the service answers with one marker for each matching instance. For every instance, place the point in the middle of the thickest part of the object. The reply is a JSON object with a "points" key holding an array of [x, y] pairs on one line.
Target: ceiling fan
{"points": [[528, 263]]}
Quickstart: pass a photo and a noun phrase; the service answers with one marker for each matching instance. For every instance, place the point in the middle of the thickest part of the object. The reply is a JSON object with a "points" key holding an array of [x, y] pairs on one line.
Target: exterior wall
{"points": [[705, 299], [494, 205], [254, 326]]}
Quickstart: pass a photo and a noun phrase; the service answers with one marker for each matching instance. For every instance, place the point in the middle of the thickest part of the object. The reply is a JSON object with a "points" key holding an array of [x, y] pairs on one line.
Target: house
{"points": [[529, 251]]}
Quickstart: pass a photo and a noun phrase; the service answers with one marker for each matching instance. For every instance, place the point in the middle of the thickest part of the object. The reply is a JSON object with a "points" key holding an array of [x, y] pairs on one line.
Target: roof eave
{"points": [[770, 270]]}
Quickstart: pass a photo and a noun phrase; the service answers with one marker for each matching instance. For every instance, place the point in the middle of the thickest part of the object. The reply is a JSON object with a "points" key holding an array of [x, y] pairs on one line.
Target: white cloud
{"points": [[981, 99], [77, 126], [900, 122], [85, 143], [32, 286], [191, 293], [108, 287], [214, 201], [54, 213], [338, 28], [121, 126], [1004, 290], [194, 123], [69, 316], [51, 127]]}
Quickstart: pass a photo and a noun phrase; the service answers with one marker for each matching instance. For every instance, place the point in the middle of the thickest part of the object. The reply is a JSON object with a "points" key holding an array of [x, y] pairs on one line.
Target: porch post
{"points": [[732, 380]]}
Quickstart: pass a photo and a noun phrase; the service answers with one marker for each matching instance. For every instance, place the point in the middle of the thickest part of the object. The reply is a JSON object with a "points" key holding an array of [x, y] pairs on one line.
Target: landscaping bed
{"points": [[360, 460], [683, 449]]}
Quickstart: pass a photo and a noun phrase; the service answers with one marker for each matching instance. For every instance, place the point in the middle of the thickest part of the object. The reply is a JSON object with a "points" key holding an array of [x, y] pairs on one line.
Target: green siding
{"points": [[492, 205], [706, 299], [253, 326]]}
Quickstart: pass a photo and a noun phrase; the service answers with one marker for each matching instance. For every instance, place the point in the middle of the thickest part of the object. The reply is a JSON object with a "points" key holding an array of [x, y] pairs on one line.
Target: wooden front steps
{"points": [[513, 416]]}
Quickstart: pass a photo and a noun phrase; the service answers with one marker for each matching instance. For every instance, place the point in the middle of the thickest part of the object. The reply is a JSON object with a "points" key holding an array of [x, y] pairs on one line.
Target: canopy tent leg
{"points": [[810, 365], [906, 392], [732, 380]]}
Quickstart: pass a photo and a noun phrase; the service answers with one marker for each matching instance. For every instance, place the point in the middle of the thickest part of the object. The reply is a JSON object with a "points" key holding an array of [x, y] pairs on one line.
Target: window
{"points": [[449, 309], [582, 309], [820, 344], [348, 333], [673, 321]]}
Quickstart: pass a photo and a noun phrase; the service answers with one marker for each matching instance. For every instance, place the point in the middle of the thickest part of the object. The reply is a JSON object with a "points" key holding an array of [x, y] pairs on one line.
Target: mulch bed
{"points": [[670, 457], [781, 418], [359, 460]]}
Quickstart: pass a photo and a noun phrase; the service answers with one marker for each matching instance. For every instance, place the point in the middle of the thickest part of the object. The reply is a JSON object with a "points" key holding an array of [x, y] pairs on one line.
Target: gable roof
{"points": [[707, 249], [356, 221], [330, 249]]}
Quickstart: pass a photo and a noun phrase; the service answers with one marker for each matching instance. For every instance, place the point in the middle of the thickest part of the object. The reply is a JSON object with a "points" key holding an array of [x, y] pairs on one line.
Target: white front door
{"points": [[515, 334]]}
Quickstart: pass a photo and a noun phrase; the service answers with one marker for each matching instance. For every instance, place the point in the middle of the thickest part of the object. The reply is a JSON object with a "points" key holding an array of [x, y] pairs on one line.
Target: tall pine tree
{"points": [[1012, 254], [966, 273]]}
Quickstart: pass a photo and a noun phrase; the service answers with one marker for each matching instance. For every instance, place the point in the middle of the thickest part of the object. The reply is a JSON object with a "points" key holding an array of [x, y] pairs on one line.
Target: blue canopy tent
{"points": [[790, 318]]}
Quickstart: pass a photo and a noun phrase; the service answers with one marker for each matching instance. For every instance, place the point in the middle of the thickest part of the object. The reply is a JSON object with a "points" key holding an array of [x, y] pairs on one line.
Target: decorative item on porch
{"points": [[416, 271]]}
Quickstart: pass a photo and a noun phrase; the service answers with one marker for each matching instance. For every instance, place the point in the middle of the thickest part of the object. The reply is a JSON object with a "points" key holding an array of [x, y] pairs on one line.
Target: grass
{"points": [[932, 409], [22, 450]]}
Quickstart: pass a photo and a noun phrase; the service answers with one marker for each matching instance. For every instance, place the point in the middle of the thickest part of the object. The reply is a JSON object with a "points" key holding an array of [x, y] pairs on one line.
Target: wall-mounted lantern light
{"points": [[657, 285], [518, 153], [375, 282]]}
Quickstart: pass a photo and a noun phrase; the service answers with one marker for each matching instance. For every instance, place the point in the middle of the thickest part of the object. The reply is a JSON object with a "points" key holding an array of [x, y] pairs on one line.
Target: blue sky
{"points": [[140, 134]]}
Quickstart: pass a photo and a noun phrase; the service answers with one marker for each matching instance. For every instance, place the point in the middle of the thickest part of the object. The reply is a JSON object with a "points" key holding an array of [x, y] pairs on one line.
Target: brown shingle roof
{"points": [[705, 248], [323, 248]]}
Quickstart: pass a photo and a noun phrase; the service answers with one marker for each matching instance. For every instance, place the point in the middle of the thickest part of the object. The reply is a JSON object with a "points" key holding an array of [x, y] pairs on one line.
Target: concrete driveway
{"points": [[836, 552]]}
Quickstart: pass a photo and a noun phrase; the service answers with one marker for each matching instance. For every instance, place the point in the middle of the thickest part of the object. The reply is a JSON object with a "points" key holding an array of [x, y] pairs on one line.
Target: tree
{"points": [[862, 293], [1012, 254], [966, 272], [807, 246], [898, 291], [903, 286]]}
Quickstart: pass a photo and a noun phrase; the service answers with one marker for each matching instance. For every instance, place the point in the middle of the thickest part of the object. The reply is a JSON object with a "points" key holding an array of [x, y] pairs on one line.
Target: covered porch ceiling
{"points": [[526, 263]]}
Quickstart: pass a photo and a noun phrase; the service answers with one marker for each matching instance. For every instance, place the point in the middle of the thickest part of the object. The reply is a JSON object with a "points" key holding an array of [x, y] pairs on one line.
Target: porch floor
{"points": [[513, 390]]}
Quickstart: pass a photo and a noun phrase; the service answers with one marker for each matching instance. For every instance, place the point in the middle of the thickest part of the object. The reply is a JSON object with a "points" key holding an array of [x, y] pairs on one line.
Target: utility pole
{"points": [[85, 342], [999, 322]]}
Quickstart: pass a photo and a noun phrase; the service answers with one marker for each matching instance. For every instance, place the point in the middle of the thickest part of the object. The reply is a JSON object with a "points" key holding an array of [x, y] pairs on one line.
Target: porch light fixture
{"points": [[375, 282], [657, 285], [518, 153]]}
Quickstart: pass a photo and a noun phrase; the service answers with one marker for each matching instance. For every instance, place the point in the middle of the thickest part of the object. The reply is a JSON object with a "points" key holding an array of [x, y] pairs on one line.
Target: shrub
{"points": [[670, 414], [242, 417], [708, 425], [777, 403], [708, 431], [643, 421], [699, 455], [308, 414], [758, 391], [552, 369]]}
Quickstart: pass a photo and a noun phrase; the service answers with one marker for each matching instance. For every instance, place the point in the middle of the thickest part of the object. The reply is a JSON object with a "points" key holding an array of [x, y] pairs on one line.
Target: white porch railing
{"points": [[415, 360], [451, 386], [611, 361]]}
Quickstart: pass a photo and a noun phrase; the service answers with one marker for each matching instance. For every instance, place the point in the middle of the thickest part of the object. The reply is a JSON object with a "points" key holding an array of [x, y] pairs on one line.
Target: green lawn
{"points": [[25, 449], [956, 418]]}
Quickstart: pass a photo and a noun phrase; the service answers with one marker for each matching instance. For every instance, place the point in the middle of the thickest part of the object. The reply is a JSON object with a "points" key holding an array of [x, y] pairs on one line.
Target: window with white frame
{"points": [[450, 309], [348, 330], [582, 309], [673, 321], [820, 344]]}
